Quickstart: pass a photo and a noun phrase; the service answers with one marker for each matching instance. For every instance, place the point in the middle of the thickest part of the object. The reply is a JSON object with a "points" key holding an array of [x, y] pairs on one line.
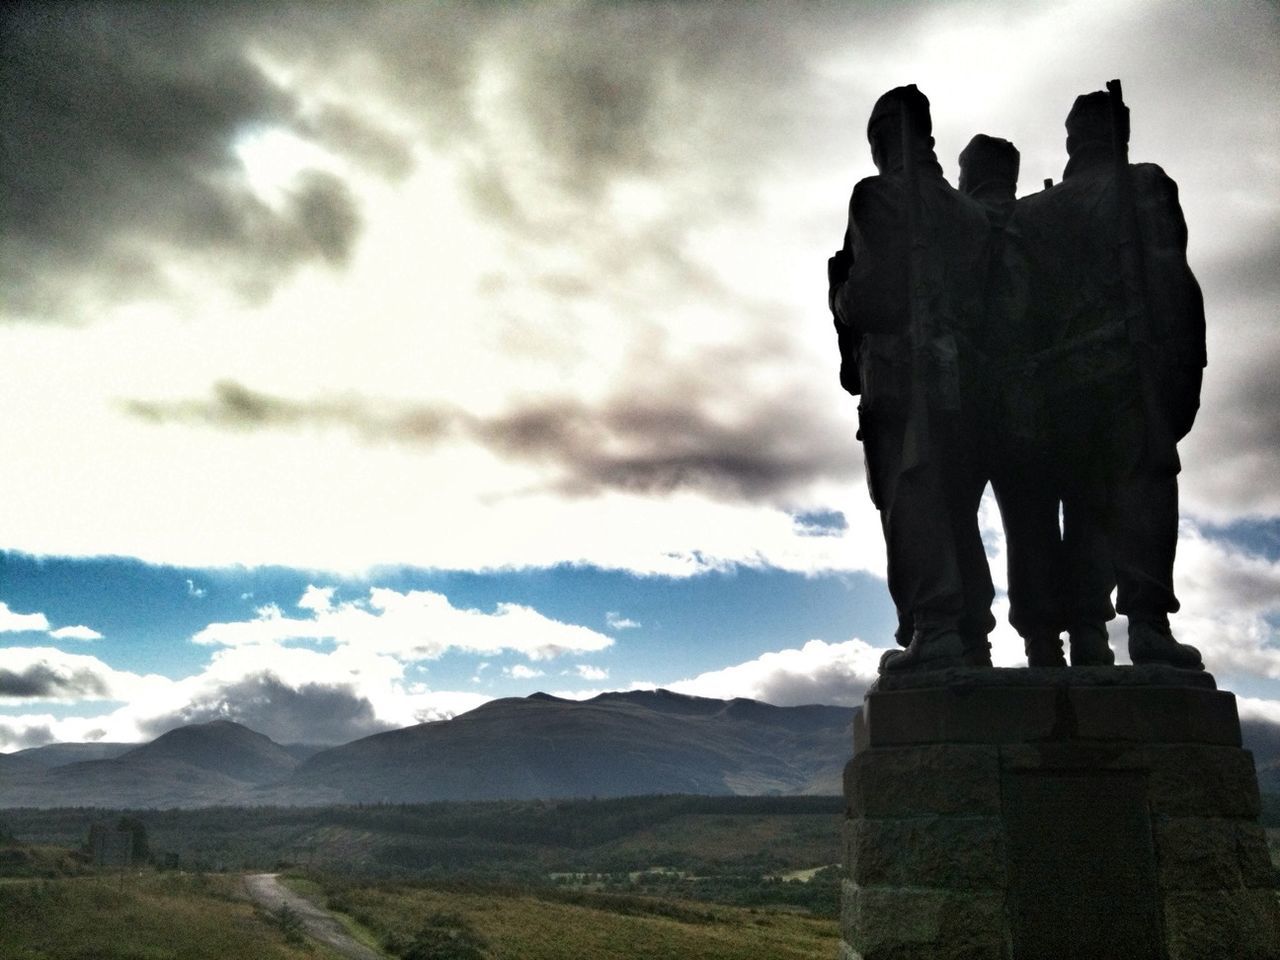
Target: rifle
{"points": [[916, 442], [1162, 446]]}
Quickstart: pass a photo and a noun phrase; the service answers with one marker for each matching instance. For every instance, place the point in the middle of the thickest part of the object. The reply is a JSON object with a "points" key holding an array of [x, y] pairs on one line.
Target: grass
{"points": [[150, 916], [547, 925]]}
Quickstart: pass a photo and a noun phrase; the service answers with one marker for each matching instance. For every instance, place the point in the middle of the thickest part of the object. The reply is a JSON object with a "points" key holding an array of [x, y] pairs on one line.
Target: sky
{"points": [[364, 362]]}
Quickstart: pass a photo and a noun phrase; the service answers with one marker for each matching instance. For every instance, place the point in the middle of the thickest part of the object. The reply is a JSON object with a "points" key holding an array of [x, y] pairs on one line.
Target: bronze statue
{"points": [[1059, 578], [1120, 318], [907, 292], [1053, 345]]}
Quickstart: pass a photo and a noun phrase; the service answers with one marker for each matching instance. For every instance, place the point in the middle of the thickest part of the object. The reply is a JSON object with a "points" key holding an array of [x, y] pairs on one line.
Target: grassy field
{"points": [[148, 916], [503, 923]]}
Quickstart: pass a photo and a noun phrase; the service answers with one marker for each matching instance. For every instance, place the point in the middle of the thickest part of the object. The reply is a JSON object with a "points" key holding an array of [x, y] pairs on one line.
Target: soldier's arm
{"points": [[1174, 297], [874, 297]]}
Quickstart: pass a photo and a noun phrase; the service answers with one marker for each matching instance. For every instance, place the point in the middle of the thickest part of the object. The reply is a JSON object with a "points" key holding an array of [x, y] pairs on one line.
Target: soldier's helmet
{"points": [[1090, 121], [988, 160], [887, 113]]}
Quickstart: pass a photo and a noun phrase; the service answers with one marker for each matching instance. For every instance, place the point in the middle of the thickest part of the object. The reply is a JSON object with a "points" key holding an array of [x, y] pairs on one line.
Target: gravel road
{"points": [[266, 889]]}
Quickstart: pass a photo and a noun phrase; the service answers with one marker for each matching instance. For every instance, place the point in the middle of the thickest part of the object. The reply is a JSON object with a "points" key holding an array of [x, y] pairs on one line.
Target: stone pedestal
{"points": [[1040, 814]]}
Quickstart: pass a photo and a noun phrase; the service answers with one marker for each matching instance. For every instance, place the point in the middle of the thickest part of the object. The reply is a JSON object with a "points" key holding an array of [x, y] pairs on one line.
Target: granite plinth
{"points": [[1104, 812]]}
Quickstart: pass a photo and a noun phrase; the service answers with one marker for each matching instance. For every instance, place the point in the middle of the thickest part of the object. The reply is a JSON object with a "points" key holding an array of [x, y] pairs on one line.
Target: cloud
{"points": [[588, 672], [617, 621], [194, 591], [43, 673], [656, 440], [79, 632], [13, 622], [121, 123], [818, 672], [521, 672], [420, 624], [21, 733], [305, 713]]}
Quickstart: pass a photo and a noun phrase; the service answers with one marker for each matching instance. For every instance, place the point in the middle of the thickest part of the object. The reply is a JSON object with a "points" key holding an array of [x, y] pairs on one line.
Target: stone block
{"points": [[966, 715], [913, 924], [1256, 869], [923, 780], [950, 853], [1188, 780], [1198, 853], [1154, 715], [1066, 755], [1243, 924]]}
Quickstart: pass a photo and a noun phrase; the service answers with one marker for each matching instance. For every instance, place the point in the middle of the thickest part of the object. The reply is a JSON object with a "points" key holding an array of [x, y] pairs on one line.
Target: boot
{"points": [[1090, 646], [977, 652], [1152, 642], [936, 652], [1044, 649]]}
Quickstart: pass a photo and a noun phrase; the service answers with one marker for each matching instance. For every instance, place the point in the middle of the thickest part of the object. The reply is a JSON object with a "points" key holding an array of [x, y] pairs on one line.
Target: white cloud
{"points": [[317, 599], [818, 672], [419, 624], [617, 621], [521, 672], [78, 632], [14, 622], [588, 672], [194, 591]]}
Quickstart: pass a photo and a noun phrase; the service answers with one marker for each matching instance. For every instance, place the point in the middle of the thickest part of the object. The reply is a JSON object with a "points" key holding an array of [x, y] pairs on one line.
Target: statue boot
{"points": [[977, 652], [1152, 642], [934, 651], [1044, 649], [1090, 646]]}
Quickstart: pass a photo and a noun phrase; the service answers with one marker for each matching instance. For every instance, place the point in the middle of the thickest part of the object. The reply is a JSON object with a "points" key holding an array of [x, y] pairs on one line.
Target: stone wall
{"points": [[1037, 814]]}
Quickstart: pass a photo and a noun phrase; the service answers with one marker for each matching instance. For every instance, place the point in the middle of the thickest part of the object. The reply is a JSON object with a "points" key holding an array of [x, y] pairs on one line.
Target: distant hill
{"points": [[197, 765], [540, 746], [60, 754], [616, 744]]}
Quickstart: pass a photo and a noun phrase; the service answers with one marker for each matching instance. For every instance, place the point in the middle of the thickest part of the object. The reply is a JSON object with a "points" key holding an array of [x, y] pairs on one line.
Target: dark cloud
{"points": [[21, 738], [40, 681], [119, 122], [666, 437], [310, 713]]}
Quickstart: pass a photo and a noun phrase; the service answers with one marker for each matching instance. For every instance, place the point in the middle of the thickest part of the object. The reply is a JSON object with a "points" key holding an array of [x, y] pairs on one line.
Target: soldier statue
{"points": [[1059, 577], [1114, 326], [907, 292]]}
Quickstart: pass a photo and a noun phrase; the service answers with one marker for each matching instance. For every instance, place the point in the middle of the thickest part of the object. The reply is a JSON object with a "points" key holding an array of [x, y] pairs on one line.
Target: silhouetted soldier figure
{"points": [[908, 289], [1121, 322], [1050, 590]]}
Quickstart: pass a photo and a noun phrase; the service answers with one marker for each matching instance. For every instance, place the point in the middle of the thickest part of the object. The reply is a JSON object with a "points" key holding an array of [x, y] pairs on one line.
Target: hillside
{"points": [[197, 765], [616, 744], [540, 746]]}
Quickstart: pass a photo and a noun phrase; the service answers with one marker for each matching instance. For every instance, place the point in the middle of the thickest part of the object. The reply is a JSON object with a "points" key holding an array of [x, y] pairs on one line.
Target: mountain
{"points": [[533, 747], [221, 747], [616, 744], [220, 762], [60, 754]]}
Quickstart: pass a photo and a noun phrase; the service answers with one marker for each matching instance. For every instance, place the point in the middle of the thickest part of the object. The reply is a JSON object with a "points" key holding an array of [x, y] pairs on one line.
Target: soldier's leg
{"points": [[976, 622], [1033, 541], [926, 576], [1144, 538], [923, 577], [1090, 575]]}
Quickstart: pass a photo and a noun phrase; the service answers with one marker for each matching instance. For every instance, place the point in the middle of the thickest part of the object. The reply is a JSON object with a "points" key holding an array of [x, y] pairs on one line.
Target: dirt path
{"points": [[267, 890]]}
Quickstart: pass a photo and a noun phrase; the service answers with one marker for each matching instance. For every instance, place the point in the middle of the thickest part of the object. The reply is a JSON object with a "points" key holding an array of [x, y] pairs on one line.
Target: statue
{"points": [[1059, 579], [1121, 317], [907, 293], [1053, 345]]}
